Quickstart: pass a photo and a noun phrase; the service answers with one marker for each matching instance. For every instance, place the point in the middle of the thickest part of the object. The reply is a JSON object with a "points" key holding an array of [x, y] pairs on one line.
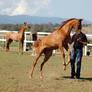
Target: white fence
{"points": [[28, 41], [41, 35], [3, 32], [86, 47]]}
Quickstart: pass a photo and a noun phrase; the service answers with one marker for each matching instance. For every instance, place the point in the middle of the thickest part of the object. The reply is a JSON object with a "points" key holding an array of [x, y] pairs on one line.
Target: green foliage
{"points": [[13, 44], [37, 27], [29, 46], [89, 41], [40, 27]]}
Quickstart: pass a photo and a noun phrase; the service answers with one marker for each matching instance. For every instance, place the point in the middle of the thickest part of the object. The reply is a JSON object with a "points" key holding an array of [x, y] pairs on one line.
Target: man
{"points": [[79, 40], [33, 34]]}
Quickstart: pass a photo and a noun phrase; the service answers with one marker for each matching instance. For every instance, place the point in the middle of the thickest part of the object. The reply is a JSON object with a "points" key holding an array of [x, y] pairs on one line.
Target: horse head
{"points": [[25, 25], [77, 24]]}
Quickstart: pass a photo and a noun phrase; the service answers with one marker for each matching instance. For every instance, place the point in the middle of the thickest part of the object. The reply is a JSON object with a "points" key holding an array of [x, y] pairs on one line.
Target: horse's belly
{"points": [[53, 47], [14, 38]]}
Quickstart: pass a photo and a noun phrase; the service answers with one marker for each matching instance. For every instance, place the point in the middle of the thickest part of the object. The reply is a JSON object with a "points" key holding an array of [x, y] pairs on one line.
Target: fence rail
{"points": [[3, 32], [42, 34]]}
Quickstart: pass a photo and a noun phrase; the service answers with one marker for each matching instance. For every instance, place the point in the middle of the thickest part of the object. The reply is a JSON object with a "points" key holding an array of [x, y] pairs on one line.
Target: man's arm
{"points": [[84, 43]]}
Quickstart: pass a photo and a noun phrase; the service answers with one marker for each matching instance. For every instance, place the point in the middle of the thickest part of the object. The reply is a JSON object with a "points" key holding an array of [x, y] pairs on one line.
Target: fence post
{"points": [[85, 50], [25, 42], [54, 51], [3, 43]]}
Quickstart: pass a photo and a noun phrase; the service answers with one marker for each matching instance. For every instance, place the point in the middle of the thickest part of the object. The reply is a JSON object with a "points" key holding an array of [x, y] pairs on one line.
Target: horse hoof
{"points": [[64, 68], [31, 76], [7, 50], [41, 77]]}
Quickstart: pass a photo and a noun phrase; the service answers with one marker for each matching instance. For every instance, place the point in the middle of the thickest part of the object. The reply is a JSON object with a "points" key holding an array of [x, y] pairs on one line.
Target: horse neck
{"points": [[67, 28], [21, 31]]}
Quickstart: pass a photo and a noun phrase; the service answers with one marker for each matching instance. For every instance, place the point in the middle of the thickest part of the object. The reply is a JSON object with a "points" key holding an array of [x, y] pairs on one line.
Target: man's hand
{"points": [[79, 39]]}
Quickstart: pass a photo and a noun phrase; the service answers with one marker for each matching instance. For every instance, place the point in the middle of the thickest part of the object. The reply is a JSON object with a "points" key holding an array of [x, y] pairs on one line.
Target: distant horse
{"points": [[16, 36], [58, 39]]}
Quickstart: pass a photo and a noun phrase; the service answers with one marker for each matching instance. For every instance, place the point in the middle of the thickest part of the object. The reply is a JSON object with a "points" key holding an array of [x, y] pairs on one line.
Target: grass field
{"points": [[15, 75]]}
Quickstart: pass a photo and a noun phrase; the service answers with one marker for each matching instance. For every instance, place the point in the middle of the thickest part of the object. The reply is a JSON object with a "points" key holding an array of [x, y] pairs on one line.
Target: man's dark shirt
{"points": [[77, 44], [34, 36]]}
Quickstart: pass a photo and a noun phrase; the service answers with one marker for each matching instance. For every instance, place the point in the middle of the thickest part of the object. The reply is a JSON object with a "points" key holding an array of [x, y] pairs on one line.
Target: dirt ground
{"points": [[15, 75]]}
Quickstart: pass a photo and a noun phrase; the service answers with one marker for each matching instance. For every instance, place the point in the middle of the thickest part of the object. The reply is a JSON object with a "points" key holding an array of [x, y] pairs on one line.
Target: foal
{"points": [[16, 36], [58, 39]]}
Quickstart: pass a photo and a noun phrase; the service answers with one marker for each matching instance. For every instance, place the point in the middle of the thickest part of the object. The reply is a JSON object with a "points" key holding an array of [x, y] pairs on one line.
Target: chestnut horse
{"points": [[58, 39], [16, 36]]}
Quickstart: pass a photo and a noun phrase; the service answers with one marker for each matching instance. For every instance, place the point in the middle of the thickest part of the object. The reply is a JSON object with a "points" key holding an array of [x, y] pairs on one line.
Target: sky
{"points": [[48, 8]]}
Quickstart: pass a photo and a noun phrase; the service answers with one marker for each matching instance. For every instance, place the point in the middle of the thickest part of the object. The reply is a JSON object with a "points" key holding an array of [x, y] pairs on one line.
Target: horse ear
{"points": [[81, 19], [25, 23]]}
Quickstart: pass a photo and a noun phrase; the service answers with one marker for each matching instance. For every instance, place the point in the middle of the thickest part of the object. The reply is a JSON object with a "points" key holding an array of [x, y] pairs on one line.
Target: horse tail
{"points": [[7, 41], [36, 44]]}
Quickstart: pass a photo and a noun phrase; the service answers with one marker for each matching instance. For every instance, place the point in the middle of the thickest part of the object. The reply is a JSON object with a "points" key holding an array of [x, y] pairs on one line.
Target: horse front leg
{"points": [[48, 54], [63, 56], [19, 46], [69, 56], [69, 53], [36, 59]]}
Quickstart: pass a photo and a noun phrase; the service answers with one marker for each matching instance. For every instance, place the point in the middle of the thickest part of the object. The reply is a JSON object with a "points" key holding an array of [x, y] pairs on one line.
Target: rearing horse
{"points": [[58, 39], [16, 36]]}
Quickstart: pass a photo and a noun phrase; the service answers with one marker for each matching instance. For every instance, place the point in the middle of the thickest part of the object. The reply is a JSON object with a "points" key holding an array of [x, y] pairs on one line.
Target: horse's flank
{"points": [[13, 35]]}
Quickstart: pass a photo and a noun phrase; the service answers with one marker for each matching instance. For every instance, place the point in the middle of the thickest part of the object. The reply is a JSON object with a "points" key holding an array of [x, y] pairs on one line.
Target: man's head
{"points": [[79, 30]]}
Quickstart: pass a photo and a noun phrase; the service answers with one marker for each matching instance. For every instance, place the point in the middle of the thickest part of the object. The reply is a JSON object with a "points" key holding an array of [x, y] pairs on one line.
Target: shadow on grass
{"points": [[82, 79]]}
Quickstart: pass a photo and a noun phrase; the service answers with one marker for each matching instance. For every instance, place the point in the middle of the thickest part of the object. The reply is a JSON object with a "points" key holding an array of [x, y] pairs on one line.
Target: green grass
{"points": [[15, 75], [89, 41]]}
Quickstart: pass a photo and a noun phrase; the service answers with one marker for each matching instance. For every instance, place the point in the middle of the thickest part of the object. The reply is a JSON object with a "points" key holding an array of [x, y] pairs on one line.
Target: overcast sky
{"points": [[48, 8]]}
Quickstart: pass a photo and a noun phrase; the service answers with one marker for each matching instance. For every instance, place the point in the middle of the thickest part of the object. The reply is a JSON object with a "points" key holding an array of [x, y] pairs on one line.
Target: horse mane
{"points": [[22, 27], [64, 22]]}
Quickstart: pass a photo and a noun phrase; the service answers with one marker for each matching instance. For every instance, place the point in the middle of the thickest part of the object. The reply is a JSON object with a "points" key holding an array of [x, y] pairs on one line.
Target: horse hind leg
{"points": [[7, 44], [36, 59], [48, 54]]}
